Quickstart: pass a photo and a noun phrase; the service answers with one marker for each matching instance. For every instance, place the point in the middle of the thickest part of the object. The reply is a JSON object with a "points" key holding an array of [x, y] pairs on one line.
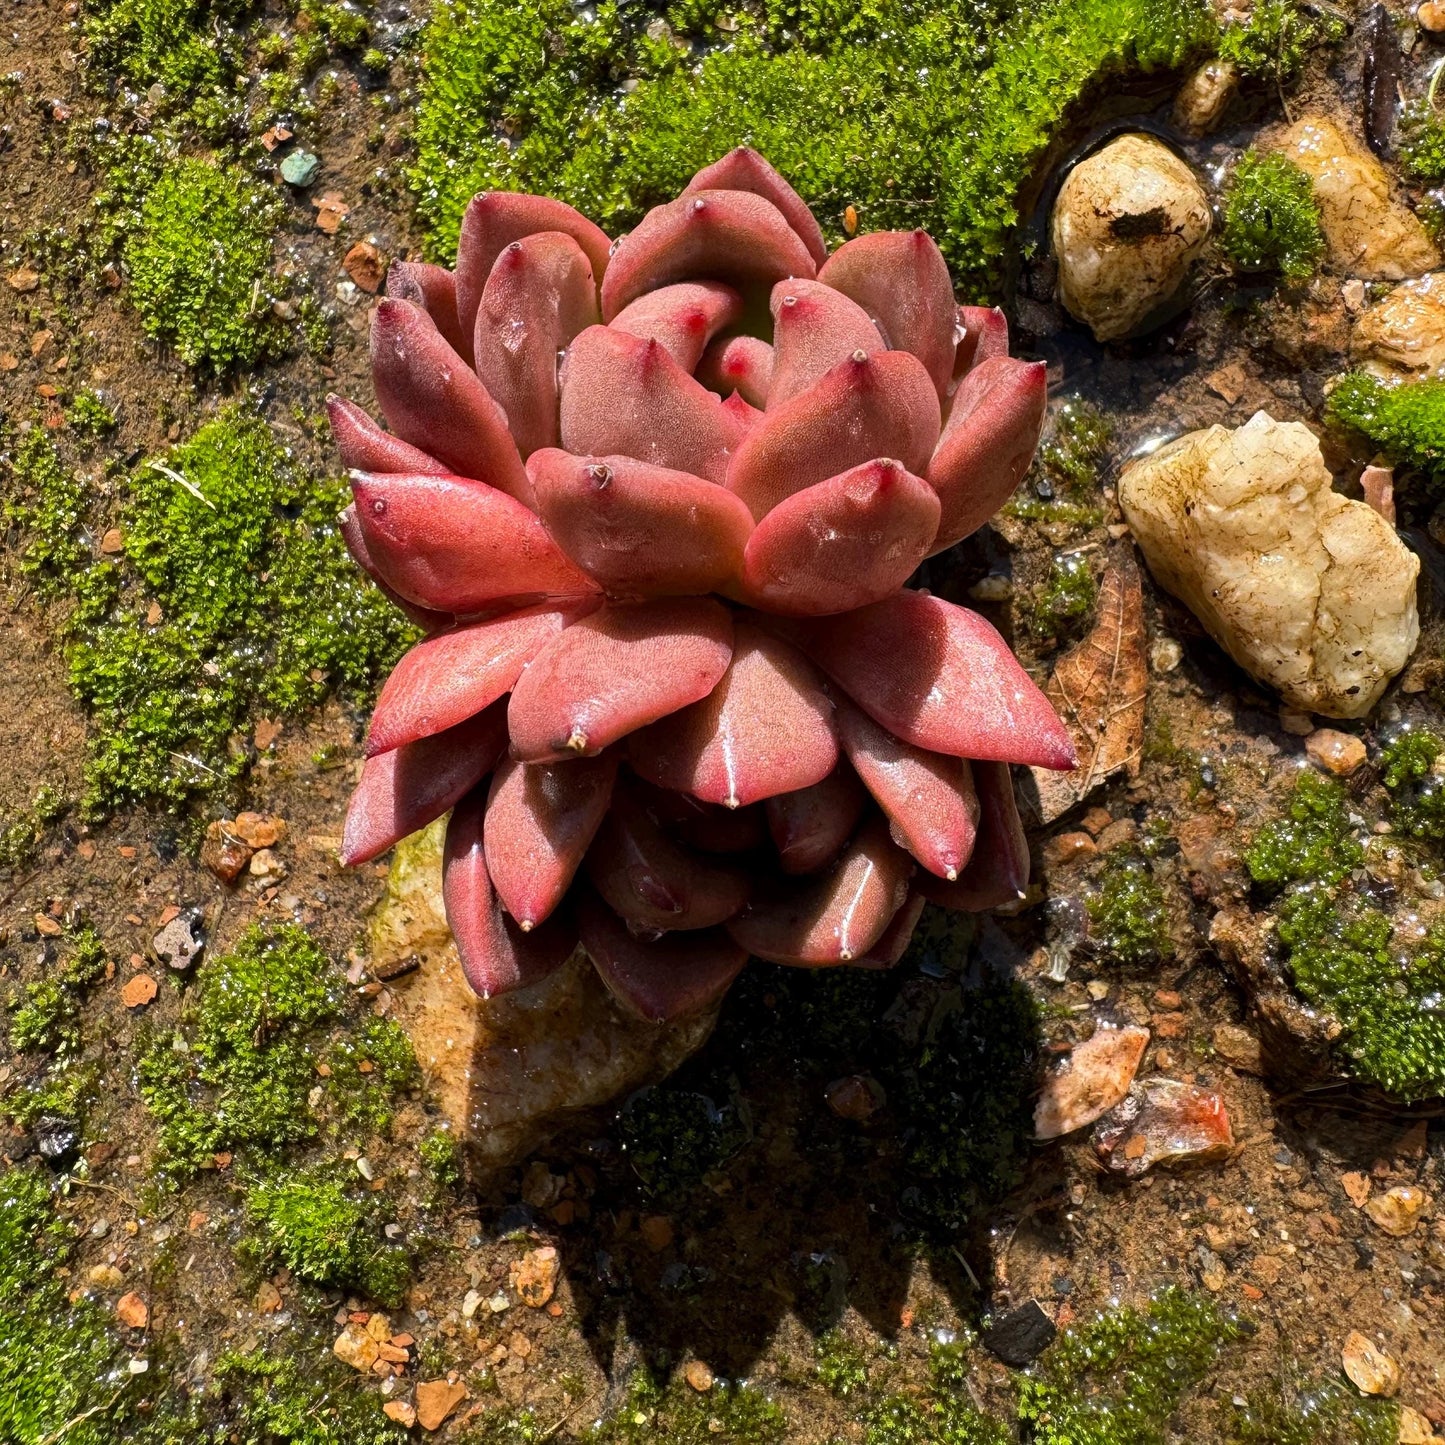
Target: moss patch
{"points": [[654, 1410], [233, 599], [20, 837], [945, 1416], [1128, 914], [1422, 143], [1406, 420], [916, 115], [1294, 1411], [1065, 599], [1271, 220], [1313, 842], [1412, 768], [1276, 39]]}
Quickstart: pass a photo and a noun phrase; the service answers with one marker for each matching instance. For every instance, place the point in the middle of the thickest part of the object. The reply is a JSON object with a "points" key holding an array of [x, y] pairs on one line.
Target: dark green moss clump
{"points": [[1422, 143], [1411, 769], [1065, 599], [654, 1410], [1314, 841], [20, 837], [917, 116], [233, 599], [1128, 915], [1292, 1411], [672, 1137], [842, 1369], [1118, 1379], [1276, 40], [45, 1015], [271, 1397], [1406, 420], [1063, 483], [325, 1233], [1271, 221], [199, 259], [946, 1416]]}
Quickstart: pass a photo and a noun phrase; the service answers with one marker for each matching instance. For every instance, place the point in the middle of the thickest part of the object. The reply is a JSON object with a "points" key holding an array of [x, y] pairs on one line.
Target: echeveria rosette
{"points": [[655, 503]]}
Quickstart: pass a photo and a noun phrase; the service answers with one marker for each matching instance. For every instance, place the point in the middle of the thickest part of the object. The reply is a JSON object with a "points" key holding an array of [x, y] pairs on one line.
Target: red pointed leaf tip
{"points": [[842, 543], [411, 786], [836, 918], [454, 674], [765, 729], [682, 318], [640, 530], [990, 437], [454, 545], [541, 819], [434, 289], [617, 670], [998, 872], [365, 447], [868, 406], [668, 978], [938, 676], [723, 235], [814, 328], [433, 399], [497, 955], [982, 333], [743, 169]]}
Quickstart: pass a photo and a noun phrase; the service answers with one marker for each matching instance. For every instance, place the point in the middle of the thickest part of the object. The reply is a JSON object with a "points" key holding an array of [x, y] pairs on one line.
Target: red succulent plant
{"points": [[655, 502]]}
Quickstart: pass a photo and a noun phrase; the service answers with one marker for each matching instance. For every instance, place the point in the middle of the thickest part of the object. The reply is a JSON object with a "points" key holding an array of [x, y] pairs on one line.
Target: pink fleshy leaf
{"points": [[456, 673], [652, 881], [708, 827], [987, 444], [640, 530], [766, 728], [350, 530], [998, 872], [539, 296], [624, 666], [457, 546], [880, 405], [814, 328], [541, 819], [738, 366], [841, 543], [984, 335], [938, 676], [407, 788], [810, 828], [743, 412], [743, 169], [891, 947], [434, 289], [901, 280], [625, 397], [734, 236], [365, 447], [670, 978], [432, 398], [493, 220], [497, 955], [928, 798], [683, 318], [818, 922]]}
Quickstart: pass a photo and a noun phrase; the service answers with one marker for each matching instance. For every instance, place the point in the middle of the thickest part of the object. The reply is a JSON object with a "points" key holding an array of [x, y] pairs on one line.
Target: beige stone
{"points": [[1370, 1369], [1090, 1081], [1334, 751], [1397, 1211], [1204, 96], [1370, 234], [1403, 335], [1127, 225], [1310, 592], [436, 1400], [354, 1347], [506, 1072]]}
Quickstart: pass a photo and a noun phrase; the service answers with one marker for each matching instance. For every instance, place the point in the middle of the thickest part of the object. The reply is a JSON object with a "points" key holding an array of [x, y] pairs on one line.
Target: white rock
{"points": [[1370, 234], [1308, 591], [1404, 335], [507, 1071], [1205, 94], [1089, 1081], [1128, 222]]}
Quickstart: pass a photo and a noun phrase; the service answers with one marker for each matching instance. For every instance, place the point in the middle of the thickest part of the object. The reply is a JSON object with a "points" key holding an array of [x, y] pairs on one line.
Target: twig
{"points": [[181, 481]]}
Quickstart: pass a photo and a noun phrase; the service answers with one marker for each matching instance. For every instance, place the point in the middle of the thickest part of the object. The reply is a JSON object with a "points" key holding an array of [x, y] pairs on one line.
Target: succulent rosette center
{"points": [[655, 503]]}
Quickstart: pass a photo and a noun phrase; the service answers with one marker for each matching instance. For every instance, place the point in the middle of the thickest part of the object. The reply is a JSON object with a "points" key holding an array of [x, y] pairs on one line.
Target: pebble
{"points": [[1403, 335], [1204, 96], [698, 1375], [354, 1347], [331, 211], [1415, 1428], [856, 1097], [471, 1303], [24, 280], [1163, 1121], [1068, 848], [1370, 1369], [1021, 1336], [656, 1231], [1397, 1211], [1094, 1076], [57, 1139], [299, 168], [223, 852], [266, 867], [1333, 618], [1336, 752], [1356, 1186], [364, 264], [1377, 486], [181, 942], [132, 1311], [436, 1400], [139, 990], [1431, 16], [1128, 224], [1165, 654], [268, 1298], [402, 1411], [534, 1277], [105, 1276], [1237, 1047]]}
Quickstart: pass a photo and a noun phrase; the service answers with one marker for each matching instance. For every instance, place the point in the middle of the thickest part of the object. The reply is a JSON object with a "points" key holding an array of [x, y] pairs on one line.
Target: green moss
{"points": [[1422, 143], [653, 1411], [1271, 220], [1313, 841], [441, 1156], [1392, 1006], [673, 1136], [269, 1398], [261, 610], [1128, 914], [1411, 768], [1062, 486], [89, 415], [1118, 1379], [325, 1234], [1291, 1411], [20, 837], [916, 115], [1405, 420], [200, 265], [841, 1366], [1065, 598], [45, 1015], [1277, 38], [946, 1416], [369, 1068]]}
